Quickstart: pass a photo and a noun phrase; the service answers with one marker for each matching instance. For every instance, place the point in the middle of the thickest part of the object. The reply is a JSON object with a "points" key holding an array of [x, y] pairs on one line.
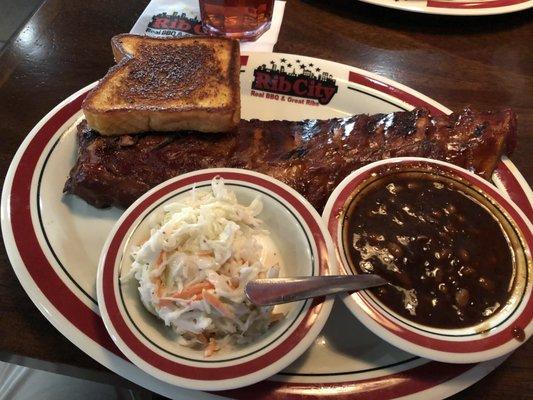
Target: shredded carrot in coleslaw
{"points": [[193, 268]]}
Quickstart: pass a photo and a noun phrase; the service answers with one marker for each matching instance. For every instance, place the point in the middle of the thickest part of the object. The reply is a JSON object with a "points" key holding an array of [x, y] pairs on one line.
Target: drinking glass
{"points": [[239, 19]]}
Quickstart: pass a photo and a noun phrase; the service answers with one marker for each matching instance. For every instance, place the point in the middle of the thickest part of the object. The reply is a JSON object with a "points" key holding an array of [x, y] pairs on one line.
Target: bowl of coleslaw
{"points": [[172, 274]]}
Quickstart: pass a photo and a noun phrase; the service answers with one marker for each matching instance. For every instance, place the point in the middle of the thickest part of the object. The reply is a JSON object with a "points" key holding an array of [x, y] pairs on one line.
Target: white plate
{"points": [[54, 242], [456, 7]]}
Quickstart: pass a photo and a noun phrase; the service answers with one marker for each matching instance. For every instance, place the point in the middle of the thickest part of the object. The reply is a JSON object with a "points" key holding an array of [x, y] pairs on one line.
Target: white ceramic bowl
{"points": [[492, 338], [298, 234]]}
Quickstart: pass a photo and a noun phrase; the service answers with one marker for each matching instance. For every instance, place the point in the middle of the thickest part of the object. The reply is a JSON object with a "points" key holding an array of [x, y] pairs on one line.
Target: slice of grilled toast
{"points": [[189, 83]]}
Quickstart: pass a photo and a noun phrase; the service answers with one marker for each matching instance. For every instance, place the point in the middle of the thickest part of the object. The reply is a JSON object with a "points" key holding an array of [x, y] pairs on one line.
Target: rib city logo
{"points": [[294, 79], [174, 24]]}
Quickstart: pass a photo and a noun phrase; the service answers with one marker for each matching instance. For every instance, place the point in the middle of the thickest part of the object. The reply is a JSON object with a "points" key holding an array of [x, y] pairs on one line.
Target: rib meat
{"points": [[312, 156]]}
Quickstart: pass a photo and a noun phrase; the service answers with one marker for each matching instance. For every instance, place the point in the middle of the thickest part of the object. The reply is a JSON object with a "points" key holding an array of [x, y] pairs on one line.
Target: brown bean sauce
{"points": [[519, 334], [446, 257]]}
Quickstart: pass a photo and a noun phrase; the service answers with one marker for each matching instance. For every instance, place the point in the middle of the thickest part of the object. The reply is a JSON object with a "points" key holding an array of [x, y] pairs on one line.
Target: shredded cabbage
{"points": [[193, 268]]}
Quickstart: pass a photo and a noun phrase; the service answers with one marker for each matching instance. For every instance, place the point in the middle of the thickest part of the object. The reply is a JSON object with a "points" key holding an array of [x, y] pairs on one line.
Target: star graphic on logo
{"points": [[317, 70], [310, 65], [297, 61], [289, 65], [302, 66], [283, 60]]}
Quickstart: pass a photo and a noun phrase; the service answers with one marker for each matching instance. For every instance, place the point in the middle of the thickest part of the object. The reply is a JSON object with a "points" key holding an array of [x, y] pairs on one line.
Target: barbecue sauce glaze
{"points": [[446, 257]]}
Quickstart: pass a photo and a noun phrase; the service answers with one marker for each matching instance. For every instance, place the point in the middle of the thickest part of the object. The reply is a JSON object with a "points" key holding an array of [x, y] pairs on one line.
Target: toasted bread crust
{"points": [[116, 122], [153, 92]]}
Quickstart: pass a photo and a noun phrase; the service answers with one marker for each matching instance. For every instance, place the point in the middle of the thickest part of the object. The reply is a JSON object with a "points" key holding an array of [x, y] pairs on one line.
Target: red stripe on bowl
{"points": [[205, 373], [514, 189]]}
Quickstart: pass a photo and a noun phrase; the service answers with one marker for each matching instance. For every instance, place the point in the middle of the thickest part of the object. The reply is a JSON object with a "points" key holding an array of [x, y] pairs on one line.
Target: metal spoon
{"points": [[266, 292]]}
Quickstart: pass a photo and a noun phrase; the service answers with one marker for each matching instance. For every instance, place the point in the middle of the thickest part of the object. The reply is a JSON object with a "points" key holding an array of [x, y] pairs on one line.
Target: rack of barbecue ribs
{"points": [[312, 156]]}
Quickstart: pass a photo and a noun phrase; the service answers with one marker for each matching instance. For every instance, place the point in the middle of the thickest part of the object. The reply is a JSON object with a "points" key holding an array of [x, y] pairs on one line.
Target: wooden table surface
{"points": [[486, 62]]}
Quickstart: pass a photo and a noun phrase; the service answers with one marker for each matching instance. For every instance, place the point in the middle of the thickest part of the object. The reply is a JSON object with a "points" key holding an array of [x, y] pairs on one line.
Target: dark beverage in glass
{"points": [[239, 19]]}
